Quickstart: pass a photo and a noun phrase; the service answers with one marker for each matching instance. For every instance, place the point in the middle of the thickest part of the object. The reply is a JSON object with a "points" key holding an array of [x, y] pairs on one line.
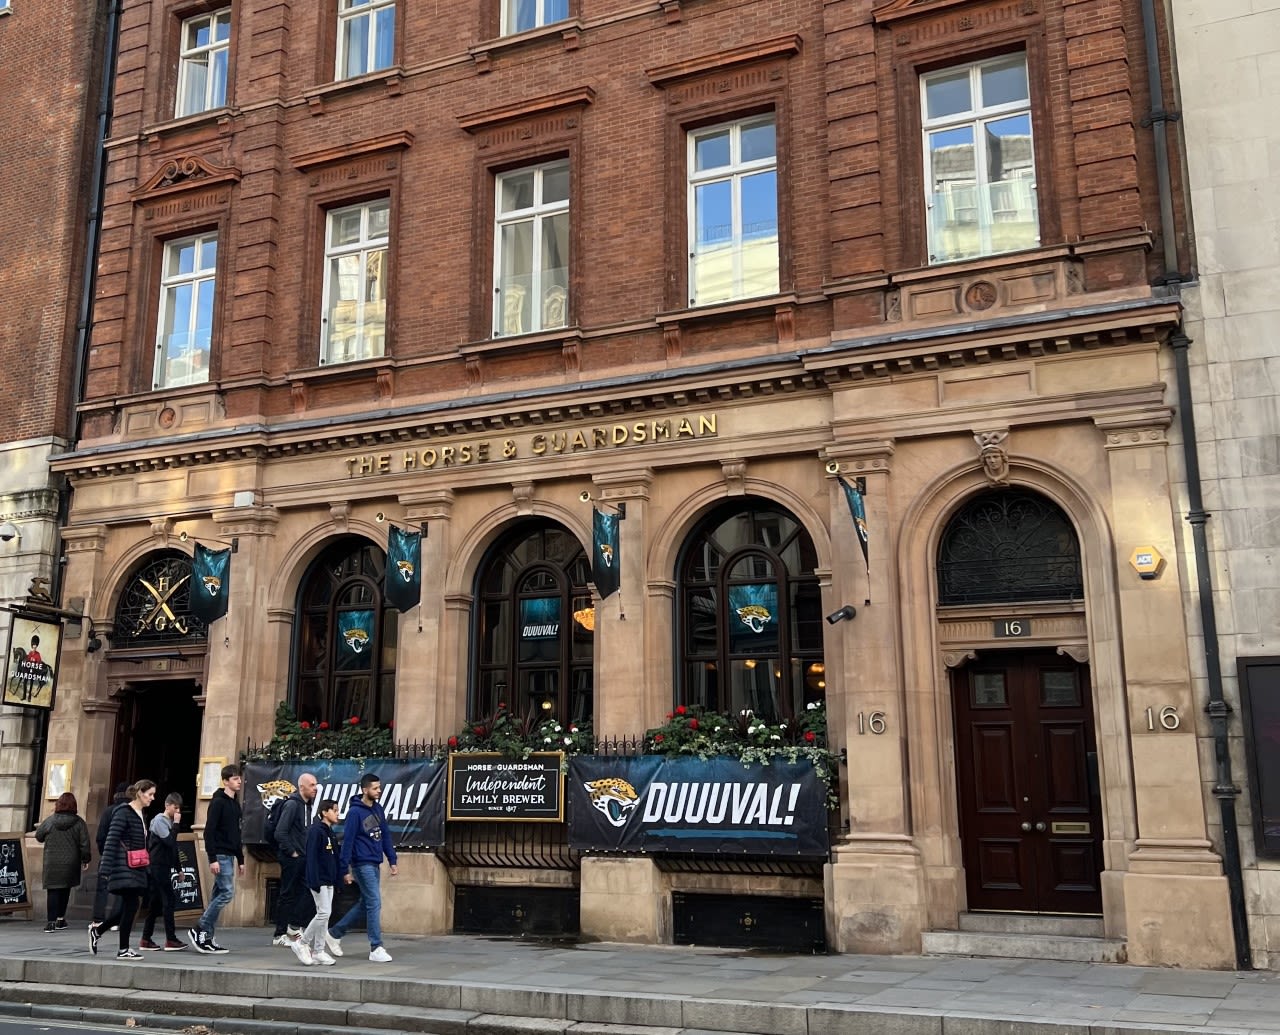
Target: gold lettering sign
{"points": [[471, 452]]}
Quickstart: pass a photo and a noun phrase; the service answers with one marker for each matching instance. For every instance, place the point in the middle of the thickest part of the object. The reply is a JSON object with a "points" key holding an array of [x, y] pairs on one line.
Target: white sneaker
{"points": [[334, 945], [379, 955], [323, 958], [303, 951], [281, 939]]}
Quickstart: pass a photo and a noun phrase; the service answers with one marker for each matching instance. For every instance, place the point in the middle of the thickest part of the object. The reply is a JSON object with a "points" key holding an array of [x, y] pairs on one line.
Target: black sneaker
{"points": [[212, 946], [60, 925], [95, 932], [50, 927], [198, 939], [128, 954]]}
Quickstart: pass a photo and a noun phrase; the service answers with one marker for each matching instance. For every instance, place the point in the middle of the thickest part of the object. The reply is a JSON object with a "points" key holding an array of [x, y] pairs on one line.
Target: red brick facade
{"points": [[615, 89]]}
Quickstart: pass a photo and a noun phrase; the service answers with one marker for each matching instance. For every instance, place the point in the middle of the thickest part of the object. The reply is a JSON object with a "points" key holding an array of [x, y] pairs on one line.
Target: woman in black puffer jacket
{"points": [[128, 831]]}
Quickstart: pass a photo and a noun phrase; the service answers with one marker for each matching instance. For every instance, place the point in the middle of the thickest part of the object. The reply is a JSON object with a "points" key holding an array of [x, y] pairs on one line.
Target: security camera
{"points": [[844, 613], [584, 496], [9, 532], [833, 467]]}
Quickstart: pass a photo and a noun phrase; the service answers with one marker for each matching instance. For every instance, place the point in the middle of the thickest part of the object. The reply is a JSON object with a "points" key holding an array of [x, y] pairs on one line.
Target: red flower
{"points": [[324, 725], [391, 725], [306, 725], [658, 738], [453, 742], [354, 720], [478, 730], [680, 709], [809, 736], [669, 715], [693, 724]]}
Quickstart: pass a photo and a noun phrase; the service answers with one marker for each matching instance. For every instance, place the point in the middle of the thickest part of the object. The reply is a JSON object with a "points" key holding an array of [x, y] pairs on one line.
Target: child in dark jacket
{"points": [[321, 877]]}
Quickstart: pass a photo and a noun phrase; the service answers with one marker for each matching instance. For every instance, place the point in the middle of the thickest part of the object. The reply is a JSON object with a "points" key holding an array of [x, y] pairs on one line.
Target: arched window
{"points": [[155, 607], [1009, 545], [534, 639], [750, 613], [345, 640]]}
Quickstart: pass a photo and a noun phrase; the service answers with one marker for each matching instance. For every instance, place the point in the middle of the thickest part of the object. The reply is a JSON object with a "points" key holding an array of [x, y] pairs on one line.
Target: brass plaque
{"points": [[1069, 828]]}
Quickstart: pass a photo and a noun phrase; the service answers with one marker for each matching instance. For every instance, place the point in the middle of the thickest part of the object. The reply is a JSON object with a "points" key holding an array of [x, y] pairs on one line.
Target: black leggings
{"points": [[126, 910], [56, 900]]}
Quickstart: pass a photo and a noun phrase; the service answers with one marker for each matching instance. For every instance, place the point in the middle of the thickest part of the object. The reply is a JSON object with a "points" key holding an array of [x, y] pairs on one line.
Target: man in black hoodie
{"points": [[293, 904], [100, 893], [226, 857]]}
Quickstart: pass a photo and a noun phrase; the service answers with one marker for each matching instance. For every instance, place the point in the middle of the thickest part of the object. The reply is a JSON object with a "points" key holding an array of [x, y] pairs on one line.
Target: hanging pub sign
{"points": [[412, 794], [649, 803], [491, 786], [31, 675]]}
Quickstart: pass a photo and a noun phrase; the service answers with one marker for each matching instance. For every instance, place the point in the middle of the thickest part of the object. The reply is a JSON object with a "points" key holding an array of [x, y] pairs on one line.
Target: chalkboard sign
{"points": [[14, 893], [186, 880], [493, 786]]}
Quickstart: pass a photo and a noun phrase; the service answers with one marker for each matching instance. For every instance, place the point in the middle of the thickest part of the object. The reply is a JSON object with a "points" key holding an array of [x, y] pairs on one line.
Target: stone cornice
{"points": [[781, 46]]}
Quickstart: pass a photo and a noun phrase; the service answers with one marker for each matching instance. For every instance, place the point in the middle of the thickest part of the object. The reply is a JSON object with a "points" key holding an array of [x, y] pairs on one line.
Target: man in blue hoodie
{"points": [[365, 840]]}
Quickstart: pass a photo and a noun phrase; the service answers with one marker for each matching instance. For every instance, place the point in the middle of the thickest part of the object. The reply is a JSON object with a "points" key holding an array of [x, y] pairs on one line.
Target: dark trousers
{"points": [[122, 916], [294, 907], [164, 900], [100, 896], [56, 900]]}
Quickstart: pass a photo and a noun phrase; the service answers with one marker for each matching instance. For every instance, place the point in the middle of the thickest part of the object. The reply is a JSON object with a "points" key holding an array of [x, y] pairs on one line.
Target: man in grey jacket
{"points": [[293, 906]]}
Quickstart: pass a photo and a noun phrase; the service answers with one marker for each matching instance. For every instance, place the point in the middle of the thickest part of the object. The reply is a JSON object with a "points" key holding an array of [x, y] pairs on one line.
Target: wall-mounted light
{"points": [[9, 532], [844, 614], [95, 641]]}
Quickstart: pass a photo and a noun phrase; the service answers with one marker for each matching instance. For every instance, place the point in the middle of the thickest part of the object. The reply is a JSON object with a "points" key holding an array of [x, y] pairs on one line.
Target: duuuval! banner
{"points": [[654, 804], [412, 794]]}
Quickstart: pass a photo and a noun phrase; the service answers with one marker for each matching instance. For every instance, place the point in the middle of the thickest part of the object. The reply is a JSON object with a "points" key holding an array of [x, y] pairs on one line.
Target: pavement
{"points": [[464, 985]]}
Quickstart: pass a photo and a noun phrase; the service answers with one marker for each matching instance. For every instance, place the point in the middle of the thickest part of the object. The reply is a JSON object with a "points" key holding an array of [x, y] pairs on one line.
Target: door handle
{"points": [[1041, 827], [1026, 828]]}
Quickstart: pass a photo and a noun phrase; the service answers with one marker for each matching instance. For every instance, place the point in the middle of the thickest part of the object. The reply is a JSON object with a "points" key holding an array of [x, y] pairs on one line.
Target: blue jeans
{"points": [[368, 905], [224, 890]]}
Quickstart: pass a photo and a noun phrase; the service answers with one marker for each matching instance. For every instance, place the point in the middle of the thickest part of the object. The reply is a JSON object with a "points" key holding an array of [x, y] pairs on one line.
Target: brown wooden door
{"points": [[1030, 815]]}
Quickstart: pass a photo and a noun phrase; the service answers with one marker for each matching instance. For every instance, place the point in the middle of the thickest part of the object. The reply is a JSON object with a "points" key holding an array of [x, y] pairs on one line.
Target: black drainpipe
{"points": [[80, 356], [1218, 709]]}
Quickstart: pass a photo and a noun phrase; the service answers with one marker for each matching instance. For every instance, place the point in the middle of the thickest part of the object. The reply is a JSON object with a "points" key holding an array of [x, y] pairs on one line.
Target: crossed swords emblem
{"points": [[161, 599]]}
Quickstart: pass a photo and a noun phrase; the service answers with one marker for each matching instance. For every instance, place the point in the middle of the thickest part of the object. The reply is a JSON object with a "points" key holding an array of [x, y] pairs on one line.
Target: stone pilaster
{"points": [[875, 889], [1175, 895], [426, 706]]}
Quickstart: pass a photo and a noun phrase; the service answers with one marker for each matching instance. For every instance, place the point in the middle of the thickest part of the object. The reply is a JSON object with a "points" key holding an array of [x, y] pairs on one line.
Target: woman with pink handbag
{"points": [[125, 863]]}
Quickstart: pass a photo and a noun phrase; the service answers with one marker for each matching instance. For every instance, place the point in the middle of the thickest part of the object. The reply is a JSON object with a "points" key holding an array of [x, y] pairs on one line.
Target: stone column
{"points": [[429, 706], [244, 682], [1175, 895], [875, 891], [624, 899]]}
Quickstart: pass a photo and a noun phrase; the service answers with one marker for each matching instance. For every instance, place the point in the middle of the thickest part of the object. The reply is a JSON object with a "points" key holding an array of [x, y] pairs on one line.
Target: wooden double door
{"points": [[1030, 811]]}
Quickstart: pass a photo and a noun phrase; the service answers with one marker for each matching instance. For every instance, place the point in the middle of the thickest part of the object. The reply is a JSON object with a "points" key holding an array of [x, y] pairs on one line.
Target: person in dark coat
{"points": [[100, 892], [65, 837], [164, 860], [128, 831]]}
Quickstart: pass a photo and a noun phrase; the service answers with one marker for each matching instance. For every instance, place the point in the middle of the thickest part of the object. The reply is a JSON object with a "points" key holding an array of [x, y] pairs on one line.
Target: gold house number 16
{"points": [[875, 722], [1167, 717]]}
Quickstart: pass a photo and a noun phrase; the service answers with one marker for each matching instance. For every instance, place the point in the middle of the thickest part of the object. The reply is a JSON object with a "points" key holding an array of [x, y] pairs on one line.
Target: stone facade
{"points": [[49, 78], [1035, 372], [1227, 62]]}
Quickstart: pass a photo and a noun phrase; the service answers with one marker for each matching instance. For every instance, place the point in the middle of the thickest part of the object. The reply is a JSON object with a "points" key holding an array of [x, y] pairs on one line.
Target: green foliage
{"points": [[298, 741], [518, 737], [695, 731]]}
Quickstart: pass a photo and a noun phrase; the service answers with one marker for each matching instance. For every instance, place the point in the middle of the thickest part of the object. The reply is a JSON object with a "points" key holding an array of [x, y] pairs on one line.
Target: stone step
{"points": [[1067, 948], [1034, 923]]}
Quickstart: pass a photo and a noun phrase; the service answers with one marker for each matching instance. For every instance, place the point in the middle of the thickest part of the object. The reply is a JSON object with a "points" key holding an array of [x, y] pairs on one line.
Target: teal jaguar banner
{"points": [[604, 553], [858, 511], [753, 616], [210, 583], [355, 629], [402, 586]]}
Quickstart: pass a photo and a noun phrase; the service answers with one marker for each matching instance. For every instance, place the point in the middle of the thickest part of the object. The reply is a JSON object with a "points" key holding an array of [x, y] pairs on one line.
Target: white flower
{"points": [[546, 740], [558, 729], [751, 729], [811, 705], [573, 729], [775, 737]]}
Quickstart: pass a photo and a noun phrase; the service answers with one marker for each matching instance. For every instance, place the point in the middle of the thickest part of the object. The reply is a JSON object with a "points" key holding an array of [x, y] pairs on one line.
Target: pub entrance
{"points": [[1027, 778], [158, 737]]}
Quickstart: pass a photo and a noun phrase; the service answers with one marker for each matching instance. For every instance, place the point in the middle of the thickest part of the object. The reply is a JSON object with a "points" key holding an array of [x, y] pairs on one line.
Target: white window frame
{"points": [[540, 17], [976, 117], [186, 61], [537, 213], [169, 285], [362, 248], [353, 10], [736, 171]]}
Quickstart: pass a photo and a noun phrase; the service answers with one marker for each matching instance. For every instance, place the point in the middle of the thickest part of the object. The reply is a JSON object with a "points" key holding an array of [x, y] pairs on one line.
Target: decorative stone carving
{"points": [[187, 171], [993, 455], [522, 493], [734, 471], [957, 658], [161, 528], [340, 515], [1077, 652], [981, 295]]}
